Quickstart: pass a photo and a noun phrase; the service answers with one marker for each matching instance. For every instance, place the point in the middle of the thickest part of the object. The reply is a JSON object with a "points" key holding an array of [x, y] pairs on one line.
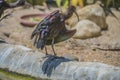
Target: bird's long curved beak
{"points": [[77, 15]]}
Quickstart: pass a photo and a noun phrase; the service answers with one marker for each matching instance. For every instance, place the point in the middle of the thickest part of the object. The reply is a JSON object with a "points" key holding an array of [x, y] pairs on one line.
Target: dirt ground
{"points": [[105, 48]]}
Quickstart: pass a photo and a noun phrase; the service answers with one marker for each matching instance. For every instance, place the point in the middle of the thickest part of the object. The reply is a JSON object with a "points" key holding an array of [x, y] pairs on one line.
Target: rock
{"points": [[71, 57], [86, 29], [91, 12], [15, 35], [7, 34]]}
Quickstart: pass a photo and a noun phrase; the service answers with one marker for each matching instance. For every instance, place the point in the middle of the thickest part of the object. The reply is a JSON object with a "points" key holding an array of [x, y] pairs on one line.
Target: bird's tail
{"points": [[40, 37], [33, 34], [40, 43]]}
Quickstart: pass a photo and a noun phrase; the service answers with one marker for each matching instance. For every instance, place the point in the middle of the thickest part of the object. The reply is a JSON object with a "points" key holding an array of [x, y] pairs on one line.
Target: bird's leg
{"points": [[46, 51], [52, 57], [47, 55], [53, 46]]}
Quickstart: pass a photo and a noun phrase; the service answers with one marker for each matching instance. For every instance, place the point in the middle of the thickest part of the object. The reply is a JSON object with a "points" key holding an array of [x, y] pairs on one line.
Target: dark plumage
{"points": [[52, 29], [4, 5]]}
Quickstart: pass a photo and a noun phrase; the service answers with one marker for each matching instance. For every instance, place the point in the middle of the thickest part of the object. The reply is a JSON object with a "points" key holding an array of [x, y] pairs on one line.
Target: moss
{"points": [[14, 76], [33, 2], [6, 75]]}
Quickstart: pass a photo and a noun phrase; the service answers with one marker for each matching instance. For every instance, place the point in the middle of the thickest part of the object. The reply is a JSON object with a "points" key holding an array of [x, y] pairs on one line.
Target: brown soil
{"points": [[105, 48]]}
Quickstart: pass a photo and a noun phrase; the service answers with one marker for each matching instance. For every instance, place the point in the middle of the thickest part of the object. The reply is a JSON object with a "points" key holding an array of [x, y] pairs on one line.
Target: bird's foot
{"points": [[49, 55]]}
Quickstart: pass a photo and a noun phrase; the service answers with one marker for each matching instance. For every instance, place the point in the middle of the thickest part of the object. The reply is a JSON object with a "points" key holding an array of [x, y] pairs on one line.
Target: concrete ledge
{"points": [[25, 61]]}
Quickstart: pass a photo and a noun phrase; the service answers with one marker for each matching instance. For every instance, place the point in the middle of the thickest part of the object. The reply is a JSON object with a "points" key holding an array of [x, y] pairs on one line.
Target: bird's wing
{"points": [[41, 37], [42, 30], [68, 34], [2, 7], [1, 11], [63, 35], [47, 21], [17, 3]]}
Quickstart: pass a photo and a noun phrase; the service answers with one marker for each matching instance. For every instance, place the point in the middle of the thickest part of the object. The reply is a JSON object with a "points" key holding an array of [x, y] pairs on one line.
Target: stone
{"points": [[71, 57], [91, 12], [7, 34], [86, 29], [15, 35]]}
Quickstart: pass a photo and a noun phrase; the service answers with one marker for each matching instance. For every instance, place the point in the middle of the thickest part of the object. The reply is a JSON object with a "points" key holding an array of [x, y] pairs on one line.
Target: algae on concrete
{"points": [[6, 75]]}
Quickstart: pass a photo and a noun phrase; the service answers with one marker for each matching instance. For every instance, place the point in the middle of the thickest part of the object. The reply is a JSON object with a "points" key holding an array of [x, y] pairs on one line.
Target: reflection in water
{"points": [[51, 63]]}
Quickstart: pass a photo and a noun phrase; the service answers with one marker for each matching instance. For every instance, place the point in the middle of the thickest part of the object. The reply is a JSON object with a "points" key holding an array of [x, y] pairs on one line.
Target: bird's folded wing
{"points": [[62, 37]]}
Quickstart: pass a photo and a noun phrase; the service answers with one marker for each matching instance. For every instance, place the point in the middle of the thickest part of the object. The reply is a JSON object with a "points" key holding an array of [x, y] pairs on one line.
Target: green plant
{"points": [[36, 2], [72, 2], [10, 1], [108, 4], [33, 2], [65, 3], [111, 3]]}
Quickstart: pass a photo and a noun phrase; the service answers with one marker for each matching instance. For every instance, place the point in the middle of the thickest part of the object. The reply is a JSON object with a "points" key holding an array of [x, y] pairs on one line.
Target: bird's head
{"points": [[71, 9]]}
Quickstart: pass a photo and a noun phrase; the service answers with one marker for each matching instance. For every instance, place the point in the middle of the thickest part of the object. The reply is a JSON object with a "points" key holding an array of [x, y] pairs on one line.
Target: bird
{"points": [[4, 5], [52, 29]]}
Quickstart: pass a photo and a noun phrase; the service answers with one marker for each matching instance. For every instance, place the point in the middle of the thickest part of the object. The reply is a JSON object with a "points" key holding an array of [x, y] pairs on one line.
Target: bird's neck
{"points": [[68, 15]]}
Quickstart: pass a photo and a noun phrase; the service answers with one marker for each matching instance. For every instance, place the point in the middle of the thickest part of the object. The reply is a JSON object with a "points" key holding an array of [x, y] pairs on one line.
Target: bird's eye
{"points": [[43, 26]]}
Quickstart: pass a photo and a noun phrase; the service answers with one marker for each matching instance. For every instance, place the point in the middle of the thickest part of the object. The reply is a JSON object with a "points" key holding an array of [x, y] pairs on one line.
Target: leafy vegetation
{"points": [[111, 3], [105, 4], [59, 3], [14, 76], [65, 3], [36, 2], [108, 4], [33, 2]]}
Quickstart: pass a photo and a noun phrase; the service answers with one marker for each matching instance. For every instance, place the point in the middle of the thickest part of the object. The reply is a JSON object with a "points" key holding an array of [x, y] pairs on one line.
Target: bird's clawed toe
{"points": [[49, 55]]}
